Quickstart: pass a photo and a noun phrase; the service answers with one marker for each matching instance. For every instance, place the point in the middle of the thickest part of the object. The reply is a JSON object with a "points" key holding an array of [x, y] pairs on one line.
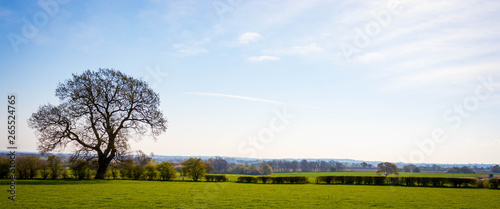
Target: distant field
{"points": [[152, 194], [314, 174]]}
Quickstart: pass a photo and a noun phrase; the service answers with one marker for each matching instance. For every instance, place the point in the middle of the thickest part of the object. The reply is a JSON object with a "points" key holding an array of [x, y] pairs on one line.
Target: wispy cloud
{"points": [[262, 58], [189, 50], [5, 12], [249, 37], [311, 48], [448, 75], [234, 97], [258, 100]]}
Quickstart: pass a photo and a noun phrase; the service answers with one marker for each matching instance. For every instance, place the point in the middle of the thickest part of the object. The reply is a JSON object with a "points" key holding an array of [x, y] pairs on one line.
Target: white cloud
{"points": [[249, 37], [5, 12], [324, 35], [262, 58], [308, 49], [370, 57], [234, 97], [447, 75], [189, 50]]}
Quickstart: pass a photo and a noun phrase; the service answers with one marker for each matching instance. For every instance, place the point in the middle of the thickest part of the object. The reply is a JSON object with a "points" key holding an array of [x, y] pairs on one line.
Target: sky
{"points": [[397, 81]]}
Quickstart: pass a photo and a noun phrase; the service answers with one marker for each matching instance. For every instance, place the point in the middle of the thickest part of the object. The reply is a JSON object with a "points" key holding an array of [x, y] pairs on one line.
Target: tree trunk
{"points": [[101, 171]]}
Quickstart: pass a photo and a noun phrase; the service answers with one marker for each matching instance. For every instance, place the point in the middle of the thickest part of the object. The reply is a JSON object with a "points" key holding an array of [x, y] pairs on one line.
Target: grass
{"points": [[160, 194]]}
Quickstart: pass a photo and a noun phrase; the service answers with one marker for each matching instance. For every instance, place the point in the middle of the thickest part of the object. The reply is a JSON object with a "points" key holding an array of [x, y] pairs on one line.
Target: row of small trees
{"points": [[138, 167], [32, 166]]}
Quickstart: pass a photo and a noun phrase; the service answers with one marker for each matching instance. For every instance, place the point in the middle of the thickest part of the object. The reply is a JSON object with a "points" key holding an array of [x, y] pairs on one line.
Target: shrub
{"points": [[27, 166], [492, 183], [246, 179], [378, 180], [4, 167], [289, 179], [457, 182], [167, 171], [216, 177], [393, 180], [55, 165], [150, 171], [137, 172], [194, 168], [438, 181], [264, 179], [324, 179], [65, 174], [78, 167]]}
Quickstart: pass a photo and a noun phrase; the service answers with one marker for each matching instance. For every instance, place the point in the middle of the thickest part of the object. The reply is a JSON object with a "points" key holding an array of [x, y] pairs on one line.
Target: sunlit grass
{"points": [[152, 194]]}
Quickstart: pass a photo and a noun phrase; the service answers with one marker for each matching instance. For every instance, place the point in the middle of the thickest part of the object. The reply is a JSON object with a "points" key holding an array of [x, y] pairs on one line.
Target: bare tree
{"points": [[98, 113]]}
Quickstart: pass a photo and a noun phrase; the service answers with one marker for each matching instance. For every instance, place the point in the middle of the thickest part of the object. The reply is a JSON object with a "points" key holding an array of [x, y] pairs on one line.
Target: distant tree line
{"points": [[140, 166]]}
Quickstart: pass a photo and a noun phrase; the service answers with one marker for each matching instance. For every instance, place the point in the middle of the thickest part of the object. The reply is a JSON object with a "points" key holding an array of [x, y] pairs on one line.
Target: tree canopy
{"points": [[387, 168], [98, 113], [194, 168]]}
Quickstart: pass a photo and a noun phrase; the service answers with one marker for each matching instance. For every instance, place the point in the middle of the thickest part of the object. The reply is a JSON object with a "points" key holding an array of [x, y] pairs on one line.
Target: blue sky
{"points": [[411, 81]]}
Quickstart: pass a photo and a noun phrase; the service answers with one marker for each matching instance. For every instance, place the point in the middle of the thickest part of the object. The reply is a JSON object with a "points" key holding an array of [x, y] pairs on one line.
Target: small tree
{"points": [[364, 165], [137, 171], [265, 169], [167, 171], [339, 167], [210, 167], [44, 169], [114, 171], [78, 167], [194, 168], [333, 169], [150, 171], [55, 166], [126, 168], [411, 168], [495, 169], [387, 168], [4, 167]]}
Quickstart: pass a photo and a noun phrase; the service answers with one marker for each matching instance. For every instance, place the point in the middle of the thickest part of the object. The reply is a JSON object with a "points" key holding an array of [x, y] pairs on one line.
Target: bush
{"points": [[150, 171], [246, 179], [27, 166], [438, 181], [457, 182], [137, 172], [167, 171], [324, 179], [216, 177], [361, 180], [264, 179], [78, 167], [289, 179], [492, 183], [4, 167], [378, 180], [393, 180]]}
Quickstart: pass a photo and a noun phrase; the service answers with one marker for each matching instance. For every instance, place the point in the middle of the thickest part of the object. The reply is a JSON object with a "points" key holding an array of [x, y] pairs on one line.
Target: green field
{"points": [[153, 194], [403, 174], [313, 175]]}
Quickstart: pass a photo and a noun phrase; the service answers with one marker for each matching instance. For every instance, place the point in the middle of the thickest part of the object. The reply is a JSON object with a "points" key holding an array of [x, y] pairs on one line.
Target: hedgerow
{"points": [[404, 181]]}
